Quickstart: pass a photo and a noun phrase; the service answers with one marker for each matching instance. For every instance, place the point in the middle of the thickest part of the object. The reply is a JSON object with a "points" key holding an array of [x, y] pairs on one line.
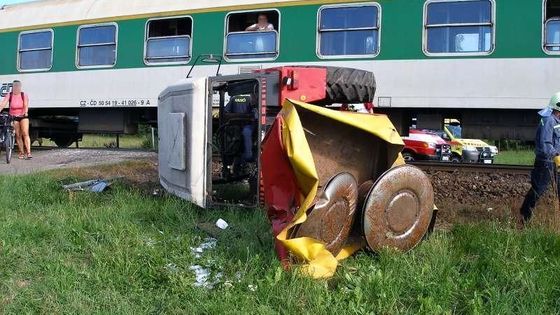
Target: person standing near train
{"points": [[19, 107], [547, 160]]}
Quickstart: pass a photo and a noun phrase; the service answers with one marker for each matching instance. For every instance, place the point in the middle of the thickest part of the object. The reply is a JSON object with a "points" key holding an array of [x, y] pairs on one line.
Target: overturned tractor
{"points": [[332, 181]]}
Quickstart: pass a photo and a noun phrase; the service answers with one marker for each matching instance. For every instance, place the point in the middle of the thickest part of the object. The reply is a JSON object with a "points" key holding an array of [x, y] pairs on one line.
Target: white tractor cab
{"points": [[210, 129]]}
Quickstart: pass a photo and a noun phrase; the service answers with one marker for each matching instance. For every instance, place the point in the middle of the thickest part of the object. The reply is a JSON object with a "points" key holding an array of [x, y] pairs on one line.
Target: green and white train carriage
{"points": [[99, 65]]}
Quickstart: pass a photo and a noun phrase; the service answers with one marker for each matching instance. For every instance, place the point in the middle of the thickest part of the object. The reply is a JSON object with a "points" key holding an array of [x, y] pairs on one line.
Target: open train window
{"points": [[97, 45], [35, 50], [252, 35], [168, 40], [463, 27], [551, 32], [349, 30]]}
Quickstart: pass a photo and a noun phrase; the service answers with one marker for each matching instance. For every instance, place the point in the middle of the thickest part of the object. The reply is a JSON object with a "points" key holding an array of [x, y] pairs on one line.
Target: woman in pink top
{"points": [[19, 105]]}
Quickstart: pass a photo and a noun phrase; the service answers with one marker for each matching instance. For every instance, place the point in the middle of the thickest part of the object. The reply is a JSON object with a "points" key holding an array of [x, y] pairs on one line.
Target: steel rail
{"points": [[474, 168]]}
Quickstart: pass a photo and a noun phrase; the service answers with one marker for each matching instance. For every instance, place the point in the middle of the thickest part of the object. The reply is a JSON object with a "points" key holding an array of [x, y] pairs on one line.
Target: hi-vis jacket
{"points": [[547, 142]]}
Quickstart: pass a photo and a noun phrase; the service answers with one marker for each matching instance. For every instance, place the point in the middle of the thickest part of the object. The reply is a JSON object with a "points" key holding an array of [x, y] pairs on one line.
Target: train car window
{"points": [[97, 45], [459, 27], [252, 35], [35, 50], [552, 26], [168, 40], [349, 30]]}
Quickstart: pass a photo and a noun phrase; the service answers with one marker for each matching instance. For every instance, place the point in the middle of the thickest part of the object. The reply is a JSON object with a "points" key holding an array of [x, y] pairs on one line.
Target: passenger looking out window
{"points": [[261, 25]]}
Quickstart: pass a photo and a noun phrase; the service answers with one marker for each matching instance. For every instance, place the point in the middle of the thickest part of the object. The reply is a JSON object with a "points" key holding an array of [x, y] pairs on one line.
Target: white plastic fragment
{"points": [[222, 224]]}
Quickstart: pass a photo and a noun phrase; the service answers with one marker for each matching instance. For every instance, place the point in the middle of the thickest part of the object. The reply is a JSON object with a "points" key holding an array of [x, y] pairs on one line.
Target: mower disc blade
{"points": [[332, 217], [398, 209]]}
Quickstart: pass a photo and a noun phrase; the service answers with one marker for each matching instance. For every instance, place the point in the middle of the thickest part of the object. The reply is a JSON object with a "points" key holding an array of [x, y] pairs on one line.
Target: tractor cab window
{"points": [[235, 141], [349, 30], [459, 27], [168, 40], [252, 35], [552, 26]]}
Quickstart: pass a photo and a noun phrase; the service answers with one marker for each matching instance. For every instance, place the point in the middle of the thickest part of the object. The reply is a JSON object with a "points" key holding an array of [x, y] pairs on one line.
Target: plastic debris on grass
{"points": [[94, 185], [222, 224], [204, 277], [214, 229], [208, 243]]}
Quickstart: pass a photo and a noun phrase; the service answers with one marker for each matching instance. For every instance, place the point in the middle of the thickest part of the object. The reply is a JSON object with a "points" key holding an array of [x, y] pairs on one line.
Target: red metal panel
{"points": [[306, 84], [279, 185]]}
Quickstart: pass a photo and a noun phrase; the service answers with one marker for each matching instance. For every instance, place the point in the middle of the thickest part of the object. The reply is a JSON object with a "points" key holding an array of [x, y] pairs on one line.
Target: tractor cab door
{"points": [[183, 128], [240, 105]]}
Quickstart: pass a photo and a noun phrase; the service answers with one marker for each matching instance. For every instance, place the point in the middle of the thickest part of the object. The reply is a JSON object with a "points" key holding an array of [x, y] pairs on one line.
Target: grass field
{"points": [[127, 252], [103, 141], [513, 157]]}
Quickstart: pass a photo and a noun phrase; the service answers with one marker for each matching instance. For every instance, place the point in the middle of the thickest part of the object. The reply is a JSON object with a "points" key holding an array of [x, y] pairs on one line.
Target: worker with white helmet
{"points": [[547, 160]]}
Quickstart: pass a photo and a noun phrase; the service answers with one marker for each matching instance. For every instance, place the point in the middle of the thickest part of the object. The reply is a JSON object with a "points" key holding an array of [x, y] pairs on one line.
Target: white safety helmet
{"points": [[555, 102]]}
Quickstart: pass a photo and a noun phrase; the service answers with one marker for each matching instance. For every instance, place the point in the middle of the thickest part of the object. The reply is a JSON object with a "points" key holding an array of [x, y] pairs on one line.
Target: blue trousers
{"points": [[543, 175], [247, 133]]}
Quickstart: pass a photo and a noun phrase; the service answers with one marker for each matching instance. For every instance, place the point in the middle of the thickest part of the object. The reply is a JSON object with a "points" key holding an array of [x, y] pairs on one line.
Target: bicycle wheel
{"points": [[8, 146]]}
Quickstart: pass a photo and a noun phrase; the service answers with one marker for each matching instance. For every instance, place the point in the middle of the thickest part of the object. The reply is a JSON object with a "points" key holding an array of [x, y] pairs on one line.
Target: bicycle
{"points": [[7, 135]]}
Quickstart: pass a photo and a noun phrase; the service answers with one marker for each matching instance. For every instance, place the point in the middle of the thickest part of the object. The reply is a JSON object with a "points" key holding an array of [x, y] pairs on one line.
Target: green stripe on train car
{"points": [[518, 35]]}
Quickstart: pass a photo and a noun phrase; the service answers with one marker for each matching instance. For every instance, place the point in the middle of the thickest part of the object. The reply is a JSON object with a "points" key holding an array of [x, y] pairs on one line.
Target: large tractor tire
{"points": [[345, 85]]}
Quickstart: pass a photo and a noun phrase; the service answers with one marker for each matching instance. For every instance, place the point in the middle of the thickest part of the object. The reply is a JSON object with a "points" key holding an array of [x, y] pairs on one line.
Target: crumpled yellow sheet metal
{"points": [[320, 263]]}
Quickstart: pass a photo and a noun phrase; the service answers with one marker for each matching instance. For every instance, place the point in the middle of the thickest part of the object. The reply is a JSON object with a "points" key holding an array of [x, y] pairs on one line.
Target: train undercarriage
{"points": [[67, 126], [490, 124]]}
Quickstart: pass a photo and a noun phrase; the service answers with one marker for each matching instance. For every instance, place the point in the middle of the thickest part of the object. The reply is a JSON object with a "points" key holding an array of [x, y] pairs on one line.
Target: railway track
{"points": [[474, 168]]}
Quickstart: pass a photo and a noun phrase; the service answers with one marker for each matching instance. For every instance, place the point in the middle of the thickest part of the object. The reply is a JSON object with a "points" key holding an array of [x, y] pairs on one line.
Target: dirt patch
{"points": [[474, 197], [140, 174], [48, 159]]}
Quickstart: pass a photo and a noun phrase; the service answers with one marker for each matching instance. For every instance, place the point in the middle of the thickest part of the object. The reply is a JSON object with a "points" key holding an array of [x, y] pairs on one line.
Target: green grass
{"points": [[102, 141], [521, 157], [126, 252]]}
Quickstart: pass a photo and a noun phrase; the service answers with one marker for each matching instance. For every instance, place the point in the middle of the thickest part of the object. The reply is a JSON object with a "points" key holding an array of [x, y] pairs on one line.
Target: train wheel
{"points": [[64, 141]]}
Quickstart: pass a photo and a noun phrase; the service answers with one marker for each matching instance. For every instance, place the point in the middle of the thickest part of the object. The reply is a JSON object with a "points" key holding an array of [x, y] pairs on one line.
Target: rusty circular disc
{"points": [[333, 214], [398, 209]]}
